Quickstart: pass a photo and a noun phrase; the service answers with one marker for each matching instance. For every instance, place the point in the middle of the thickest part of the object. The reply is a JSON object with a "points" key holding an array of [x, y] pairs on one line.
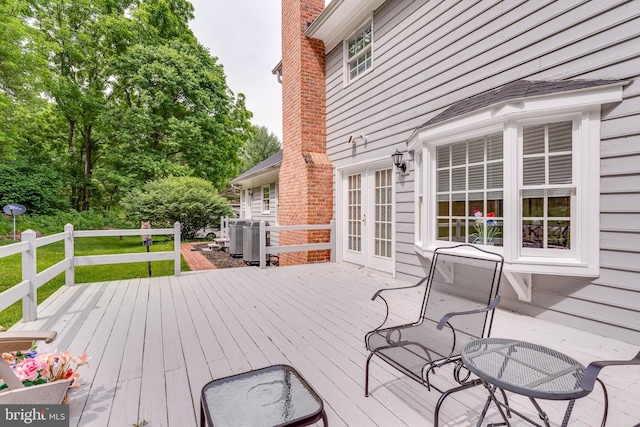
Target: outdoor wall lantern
{"points": [[250, 192], [397, 161]]}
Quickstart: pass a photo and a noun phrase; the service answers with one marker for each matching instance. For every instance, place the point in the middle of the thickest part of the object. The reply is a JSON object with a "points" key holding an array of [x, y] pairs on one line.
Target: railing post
{"points": [[69, 253], [176, 248], [332, 240], [263, 245], [29, 272]]}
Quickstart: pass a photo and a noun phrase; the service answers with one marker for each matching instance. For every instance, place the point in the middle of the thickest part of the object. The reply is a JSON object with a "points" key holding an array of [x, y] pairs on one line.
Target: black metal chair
{"points": [[458, 305]]}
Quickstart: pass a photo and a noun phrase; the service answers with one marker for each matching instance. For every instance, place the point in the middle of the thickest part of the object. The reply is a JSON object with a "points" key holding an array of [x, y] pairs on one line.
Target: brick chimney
{"points": [[306, 175]]}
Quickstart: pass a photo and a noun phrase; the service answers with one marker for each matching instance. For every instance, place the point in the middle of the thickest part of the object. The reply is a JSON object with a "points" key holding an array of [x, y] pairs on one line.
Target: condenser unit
{"points": [[235, 236], [251, 243]]}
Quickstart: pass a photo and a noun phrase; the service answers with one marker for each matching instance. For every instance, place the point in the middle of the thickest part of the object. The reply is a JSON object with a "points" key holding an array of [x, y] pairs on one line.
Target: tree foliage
{"points": [[193, 202], [112, 93], [174, 115], [37, 187], [262, 145]]}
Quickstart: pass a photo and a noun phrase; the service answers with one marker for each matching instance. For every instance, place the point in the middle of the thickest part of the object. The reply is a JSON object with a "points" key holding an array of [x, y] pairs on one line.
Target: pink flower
{"points": [[64, 357], [48, 358], [28, 370], [75, 383], [81, 359]]}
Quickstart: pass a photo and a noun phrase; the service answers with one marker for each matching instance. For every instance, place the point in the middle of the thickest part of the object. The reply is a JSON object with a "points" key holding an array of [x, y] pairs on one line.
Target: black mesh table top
{"points": [[528, 369], [272, 396]]}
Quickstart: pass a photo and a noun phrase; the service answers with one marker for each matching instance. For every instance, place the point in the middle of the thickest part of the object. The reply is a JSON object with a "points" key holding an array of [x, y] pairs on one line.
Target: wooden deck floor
{"points": [[155, 342]]}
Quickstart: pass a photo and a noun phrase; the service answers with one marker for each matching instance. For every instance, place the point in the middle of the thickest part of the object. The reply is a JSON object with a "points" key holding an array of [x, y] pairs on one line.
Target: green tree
{"points": [[81, 37], [22, 72], [173, 114], [193, 202], [112, 93], [262, 145]]}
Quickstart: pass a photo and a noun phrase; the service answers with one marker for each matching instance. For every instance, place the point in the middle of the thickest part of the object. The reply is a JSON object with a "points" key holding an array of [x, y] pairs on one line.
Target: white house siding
{"points": [[430, 54], [256, 208]]}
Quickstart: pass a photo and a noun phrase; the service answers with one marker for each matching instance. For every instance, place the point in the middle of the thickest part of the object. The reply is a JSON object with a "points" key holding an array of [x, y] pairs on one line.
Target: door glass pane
{"points": [[354, 210], [382, 220]]}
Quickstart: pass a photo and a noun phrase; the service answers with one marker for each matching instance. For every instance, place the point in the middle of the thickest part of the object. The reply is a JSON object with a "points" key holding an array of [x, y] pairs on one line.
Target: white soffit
{"points": [[339, 19]]}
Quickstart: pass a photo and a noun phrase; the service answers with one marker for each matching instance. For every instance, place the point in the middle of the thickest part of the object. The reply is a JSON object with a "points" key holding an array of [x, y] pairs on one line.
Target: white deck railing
{"points": [[275, 250], [27, 289]]}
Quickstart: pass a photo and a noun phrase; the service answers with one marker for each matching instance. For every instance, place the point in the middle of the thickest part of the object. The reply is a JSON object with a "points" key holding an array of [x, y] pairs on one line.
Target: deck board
{"points": [[153, 396], [155, 342]]}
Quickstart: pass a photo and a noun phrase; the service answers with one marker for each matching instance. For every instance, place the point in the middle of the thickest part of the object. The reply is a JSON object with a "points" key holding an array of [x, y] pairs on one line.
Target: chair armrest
{"points": [[23, 340], [448, 316], [397, 289], [591, 374]]}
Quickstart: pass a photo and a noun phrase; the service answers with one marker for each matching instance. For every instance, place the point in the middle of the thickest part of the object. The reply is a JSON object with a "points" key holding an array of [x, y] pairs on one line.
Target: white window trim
{"points": [[247, 213], [275, 201], [262, 199], [583, 106], [347, 80]]}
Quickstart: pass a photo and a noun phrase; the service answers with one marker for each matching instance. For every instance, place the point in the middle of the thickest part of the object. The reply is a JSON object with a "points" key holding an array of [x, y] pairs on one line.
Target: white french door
{"points": [[368, 217]]}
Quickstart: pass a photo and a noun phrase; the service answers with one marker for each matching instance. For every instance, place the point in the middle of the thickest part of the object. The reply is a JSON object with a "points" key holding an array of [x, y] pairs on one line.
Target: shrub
{"points": [[192, 201], [37, 187], [51, 224]]}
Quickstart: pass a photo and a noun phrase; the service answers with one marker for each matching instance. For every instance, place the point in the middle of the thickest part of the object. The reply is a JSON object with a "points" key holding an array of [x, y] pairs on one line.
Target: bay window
{"points": [[520, 178]]}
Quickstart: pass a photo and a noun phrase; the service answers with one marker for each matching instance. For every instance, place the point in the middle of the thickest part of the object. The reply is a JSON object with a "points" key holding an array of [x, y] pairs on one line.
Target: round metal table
{"points": [[528, 369]]}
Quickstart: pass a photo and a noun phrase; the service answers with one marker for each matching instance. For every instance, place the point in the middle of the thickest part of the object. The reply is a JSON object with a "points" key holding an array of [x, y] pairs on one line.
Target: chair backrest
{"points": [[463, 278]]}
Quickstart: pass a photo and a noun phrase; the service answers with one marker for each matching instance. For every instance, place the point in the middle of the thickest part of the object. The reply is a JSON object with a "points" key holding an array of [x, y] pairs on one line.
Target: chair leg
{"points": [[325, 423], [436, 415], [366, 376], [606, 403]]}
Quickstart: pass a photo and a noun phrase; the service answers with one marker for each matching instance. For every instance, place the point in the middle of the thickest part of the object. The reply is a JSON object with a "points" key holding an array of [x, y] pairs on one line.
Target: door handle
{"points": [[364, 219]]}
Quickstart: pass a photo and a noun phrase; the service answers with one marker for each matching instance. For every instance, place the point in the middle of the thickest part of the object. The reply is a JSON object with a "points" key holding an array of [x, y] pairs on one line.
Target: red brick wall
{"points": [[306, 173]]}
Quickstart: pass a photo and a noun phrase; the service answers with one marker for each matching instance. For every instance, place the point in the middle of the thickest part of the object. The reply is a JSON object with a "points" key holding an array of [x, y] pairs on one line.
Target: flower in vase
{"points": [[33, 368], [492, 227]]}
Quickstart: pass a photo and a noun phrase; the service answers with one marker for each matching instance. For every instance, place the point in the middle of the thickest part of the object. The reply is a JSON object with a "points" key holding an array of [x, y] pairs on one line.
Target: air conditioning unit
{"points": [[235, 236], [251, 243]]}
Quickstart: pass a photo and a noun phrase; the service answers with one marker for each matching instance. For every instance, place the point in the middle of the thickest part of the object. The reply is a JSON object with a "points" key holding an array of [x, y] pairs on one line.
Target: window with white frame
{"points": [[359, 52], [266, 200], [547, 185], [469, 190], [521, 181]]}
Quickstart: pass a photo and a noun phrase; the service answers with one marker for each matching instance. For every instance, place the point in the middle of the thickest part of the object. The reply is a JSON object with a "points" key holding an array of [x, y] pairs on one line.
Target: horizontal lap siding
{"points": [[431, 54]]}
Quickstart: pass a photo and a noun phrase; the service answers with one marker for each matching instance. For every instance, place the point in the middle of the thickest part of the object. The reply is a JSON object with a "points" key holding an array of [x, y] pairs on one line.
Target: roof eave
{"points": [[414, 139], [252, 176], [339, 19]]}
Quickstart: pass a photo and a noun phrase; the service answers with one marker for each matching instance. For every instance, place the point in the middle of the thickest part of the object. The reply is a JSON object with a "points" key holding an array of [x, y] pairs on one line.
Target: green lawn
{"points": [[11, 267]]}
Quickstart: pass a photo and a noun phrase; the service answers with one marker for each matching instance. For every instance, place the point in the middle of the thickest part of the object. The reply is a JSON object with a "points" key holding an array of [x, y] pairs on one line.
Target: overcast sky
{"points": [[245, 36]]}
